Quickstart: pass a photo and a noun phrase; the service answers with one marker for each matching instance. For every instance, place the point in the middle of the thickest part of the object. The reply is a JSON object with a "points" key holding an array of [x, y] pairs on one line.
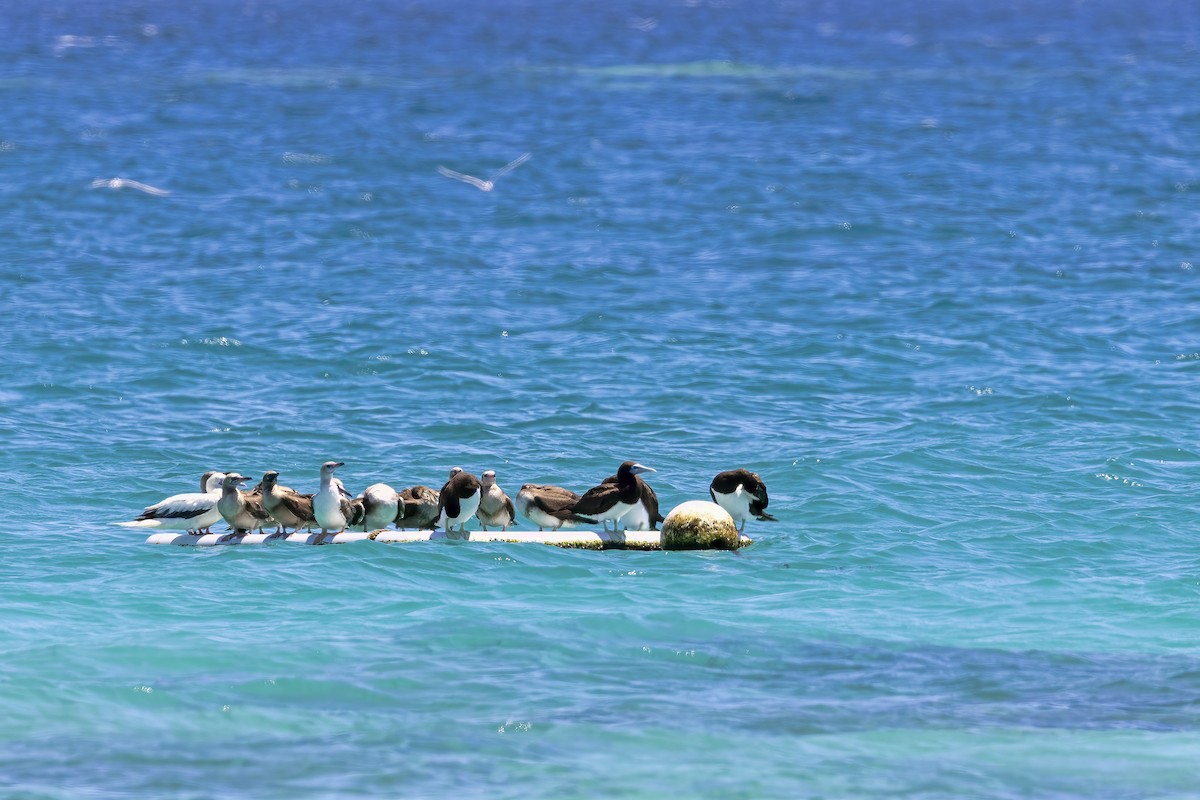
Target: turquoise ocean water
{"points": [[929, 268]]}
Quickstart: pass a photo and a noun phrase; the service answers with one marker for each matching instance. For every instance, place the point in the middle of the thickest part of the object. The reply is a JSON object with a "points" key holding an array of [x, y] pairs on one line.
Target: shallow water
{"points": [[927, 268]]}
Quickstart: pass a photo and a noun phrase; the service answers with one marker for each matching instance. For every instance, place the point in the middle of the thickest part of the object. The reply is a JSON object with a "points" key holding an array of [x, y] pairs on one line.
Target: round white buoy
{"points": [[699, 525]]}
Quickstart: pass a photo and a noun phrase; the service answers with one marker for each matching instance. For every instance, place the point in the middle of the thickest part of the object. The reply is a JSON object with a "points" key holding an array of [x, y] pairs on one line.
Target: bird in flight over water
{"points": [[126, 183], [482, 185]]}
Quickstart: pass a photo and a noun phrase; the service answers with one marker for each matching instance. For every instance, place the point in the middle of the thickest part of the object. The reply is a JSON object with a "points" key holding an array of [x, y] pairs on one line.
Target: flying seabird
{"points": [[333, 509], [612, 500], [380, 504], [458, 500], [243, 511], [287, 507], [126, 183], [482, 185], [549, 506], [644, 516], [743, 494], [495, 507], [194, 512], [418, 508]]}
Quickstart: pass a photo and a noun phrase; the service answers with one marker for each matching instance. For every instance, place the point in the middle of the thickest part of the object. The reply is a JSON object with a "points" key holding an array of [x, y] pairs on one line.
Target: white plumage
{"points": [[190, 511], [380, 503]]}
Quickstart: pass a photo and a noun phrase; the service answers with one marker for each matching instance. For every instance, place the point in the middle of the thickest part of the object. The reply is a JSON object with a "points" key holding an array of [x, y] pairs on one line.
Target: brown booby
{"points": [[612, 500], [331, 507], [495, 507], [549, 506], [287, 507], [644, 516], [242, 510], [418, 508], [458, 500], [194, 512], [743, 494]]}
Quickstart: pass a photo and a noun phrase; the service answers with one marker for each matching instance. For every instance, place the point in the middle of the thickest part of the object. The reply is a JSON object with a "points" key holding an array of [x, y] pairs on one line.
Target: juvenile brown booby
{"points": [[332, 509], [495, 507], [418, 508], [380, 503], [194, 512], [644, 516], [742, 493], [458, 500], [550, 506], [612, 500], [242, 510], [287, 507]]}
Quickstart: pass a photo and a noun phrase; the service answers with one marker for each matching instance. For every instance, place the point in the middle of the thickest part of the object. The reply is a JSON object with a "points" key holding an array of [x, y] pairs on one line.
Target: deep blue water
{"points": [[928, 268]]}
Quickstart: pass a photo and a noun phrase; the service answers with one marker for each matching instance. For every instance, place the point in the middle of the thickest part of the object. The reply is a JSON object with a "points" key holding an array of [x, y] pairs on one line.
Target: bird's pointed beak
{"points": [[638, 469]]}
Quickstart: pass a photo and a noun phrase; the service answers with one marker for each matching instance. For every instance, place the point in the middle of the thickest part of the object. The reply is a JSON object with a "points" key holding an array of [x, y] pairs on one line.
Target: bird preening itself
{"points": [[743, 494], [458, 500]]}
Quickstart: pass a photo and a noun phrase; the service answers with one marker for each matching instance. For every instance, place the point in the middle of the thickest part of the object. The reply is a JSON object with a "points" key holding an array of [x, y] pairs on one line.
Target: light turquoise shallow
{"points": [[928, 268]]}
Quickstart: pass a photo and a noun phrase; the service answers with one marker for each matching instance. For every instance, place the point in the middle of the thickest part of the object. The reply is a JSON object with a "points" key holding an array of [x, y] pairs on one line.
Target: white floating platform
{"points": [[214, 539], [586, 540]]}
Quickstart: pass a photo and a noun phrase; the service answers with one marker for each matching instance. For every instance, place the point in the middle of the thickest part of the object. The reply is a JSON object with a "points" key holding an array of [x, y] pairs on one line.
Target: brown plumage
{"points": [[612, 500], [550, 506], [287, 507], [418, 508]]}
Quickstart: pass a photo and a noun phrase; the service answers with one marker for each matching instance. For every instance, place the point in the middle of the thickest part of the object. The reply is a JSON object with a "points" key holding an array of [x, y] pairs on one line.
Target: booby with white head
{"points": [[332, 509], [194, 512]]}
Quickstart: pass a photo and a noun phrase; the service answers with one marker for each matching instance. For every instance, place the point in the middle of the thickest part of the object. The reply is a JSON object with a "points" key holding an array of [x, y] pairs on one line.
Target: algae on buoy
{"points": [[699, 525]]}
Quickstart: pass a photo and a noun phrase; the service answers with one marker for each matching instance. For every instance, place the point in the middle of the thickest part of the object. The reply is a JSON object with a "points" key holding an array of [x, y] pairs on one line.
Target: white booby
{"points": [[549, 506], [380, 503], [743, 494], [644, 515], [287, 507], [194, 512], [331, 506], [612, 500], [495, 507], [418, 508], [242, 510], [458, 500]]}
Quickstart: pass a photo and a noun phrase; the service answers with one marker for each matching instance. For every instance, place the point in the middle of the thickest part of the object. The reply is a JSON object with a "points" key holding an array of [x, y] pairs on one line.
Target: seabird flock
{"points": [[625, 499]]}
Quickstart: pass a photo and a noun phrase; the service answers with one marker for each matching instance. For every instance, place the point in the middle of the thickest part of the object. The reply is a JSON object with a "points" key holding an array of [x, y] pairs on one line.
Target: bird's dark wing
{"points": [[597, 499], [301, 505]]}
